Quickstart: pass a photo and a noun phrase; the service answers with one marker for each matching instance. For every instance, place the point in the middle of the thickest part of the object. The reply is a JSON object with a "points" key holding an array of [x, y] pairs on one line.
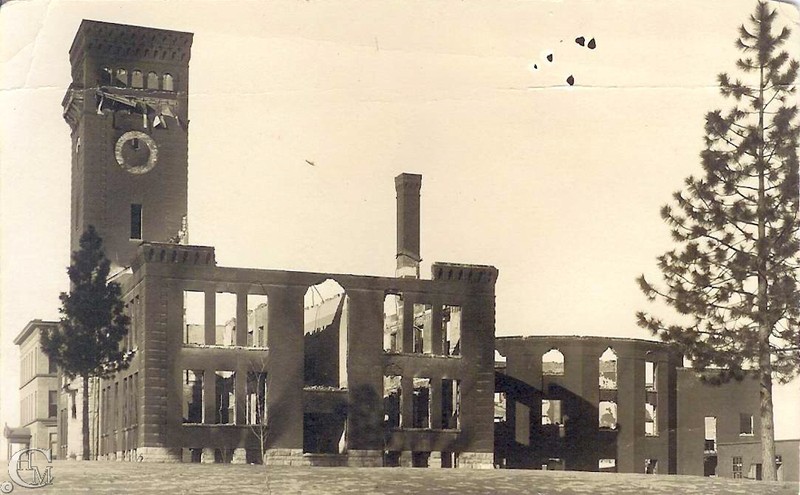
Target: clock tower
{"points": [[127, 108]]}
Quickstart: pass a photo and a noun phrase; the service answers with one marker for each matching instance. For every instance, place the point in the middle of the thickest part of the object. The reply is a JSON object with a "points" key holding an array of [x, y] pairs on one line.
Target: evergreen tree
{"points": [[735, 270], [86, 342]]}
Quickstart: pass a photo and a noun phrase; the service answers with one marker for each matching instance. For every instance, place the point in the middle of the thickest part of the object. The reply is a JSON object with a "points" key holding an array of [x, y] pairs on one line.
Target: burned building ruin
{"points": [[302, 368]]}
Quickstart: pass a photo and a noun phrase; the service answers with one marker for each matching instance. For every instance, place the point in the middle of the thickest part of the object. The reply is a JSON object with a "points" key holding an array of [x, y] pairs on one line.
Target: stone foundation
{"points": [[365, 458], [207, 456], [476, 460], [158, 454], [285, 457], [239, 456]]}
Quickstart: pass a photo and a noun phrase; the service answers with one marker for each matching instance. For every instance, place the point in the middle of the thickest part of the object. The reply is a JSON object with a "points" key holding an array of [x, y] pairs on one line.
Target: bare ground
{"points": [[174, 479]]}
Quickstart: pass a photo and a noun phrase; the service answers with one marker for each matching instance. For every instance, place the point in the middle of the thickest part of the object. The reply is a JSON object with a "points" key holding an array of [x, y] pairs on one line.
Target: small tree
{"points": [[86, 342], [735, 272]]}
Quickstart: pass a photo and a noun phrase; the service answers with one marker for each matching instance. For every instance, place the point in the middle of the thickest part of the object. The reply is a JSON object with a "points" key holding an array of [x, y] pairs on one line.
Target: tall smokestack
{"points": [[407, 187]]}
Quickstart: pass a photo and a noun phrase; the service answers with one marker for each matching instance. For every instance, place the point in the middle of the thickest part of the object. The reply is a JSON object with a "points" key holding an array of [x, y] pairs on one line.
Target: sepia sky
{"points": [[557, 186]]}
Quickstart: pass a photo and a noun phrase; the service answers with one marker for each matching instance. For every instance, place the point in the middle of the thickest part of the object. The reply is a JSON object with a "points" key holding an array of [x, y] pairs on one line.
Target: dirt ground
{"points": [[174, 479]]}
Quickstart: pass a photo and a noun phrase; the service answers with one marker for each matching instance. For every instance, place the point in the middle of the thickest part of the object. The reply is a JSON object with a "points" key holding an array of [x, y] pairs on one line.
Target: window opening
{"points": [[168, 85], [710, 426], [194, 307], [392, 322], [257, 320], [392, 401], [422, 326], [225, 330], [737, 466], [607, 414], [650, 374], [745, 424], [421, 410], [225, 412], [608, 370], [451, 404], [193, 396], [551, 412], [136, 221], [122, 78], [256, 392], [137, 80], [451, 325], [152, 80], [650, 420], [607, 465], [553, 363]]}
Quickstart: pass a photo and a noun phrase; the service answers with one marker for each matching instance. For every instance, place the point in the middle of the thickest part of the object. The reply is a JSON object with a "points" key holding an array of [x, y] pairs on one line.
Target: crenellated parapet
{"points": [[119, 42]]}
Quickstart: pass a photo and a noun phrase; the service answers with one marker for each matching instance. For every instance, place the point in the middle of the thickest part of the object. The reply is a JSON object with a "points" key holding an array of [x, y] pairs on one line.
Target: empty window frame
{"points": [[553, 363], [152, 80], [137, 79], [651, 466], [194, 307], [650, 419], [551, 412], [225, 410], [225, 331], [392, 322], [421, 405], [193, 396], [608, 370], [710, 426], [451, 404], [500, 404], [256, 393], [136, 221], [607, 414], [422, 326], [168, 83], [451, 330], [745, 424], [650, 375], [393, 401], [257, 320], [737, 466]]}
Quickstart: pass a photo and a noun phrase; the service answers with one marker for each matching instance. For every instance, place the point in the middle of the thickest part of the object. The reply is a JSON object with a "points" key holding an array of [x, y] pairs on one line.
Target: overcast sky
{"points": [[557, 186]]}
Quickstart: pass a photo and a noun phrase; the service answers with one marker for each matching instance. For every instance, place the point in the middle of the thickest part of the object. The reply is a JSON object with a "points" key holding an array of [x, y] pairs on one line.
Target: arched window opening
{"points": [[121, 79], [137, 79], [152, 80], [168, 84], [107, 77], [608, 370], [553, 363]]}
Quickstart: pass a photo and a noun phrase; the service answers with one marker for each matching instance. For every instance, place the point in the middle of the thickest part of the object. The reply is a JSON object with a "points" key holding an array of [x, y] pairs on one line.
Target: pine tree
{"points": [[735, 270], [86, 342]]}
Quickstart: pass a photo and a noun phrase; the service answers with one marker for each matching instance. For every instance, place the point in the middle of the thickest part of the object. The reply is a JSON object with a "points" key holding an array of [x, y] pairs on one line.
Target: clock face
{"points": [[136, 152]]}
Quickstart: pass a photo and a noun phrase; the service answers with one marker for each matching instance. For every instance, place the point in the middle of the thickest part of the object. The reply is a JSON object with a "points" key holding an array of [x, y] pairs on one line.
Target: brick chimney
{"points": [[408, 258]]}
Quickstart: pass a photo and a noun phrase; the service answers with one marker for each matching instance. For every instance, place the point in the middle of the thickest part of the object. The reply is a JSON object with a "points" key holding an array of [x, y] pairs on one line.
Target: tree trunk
{"points": [[85, 414], [768, 469]]}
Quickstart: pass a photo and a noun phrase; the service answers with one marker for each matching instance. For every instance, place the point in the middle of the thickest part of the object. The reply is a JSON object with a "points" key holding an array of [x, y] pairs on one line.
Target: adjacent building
{"points": [[38, 392]]}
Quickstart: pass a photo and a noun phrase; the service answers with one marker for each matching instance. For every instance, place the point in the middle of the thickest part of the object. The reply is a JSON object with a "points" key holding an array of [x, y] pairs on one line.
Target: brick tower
{"points": [[127, 107]]}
